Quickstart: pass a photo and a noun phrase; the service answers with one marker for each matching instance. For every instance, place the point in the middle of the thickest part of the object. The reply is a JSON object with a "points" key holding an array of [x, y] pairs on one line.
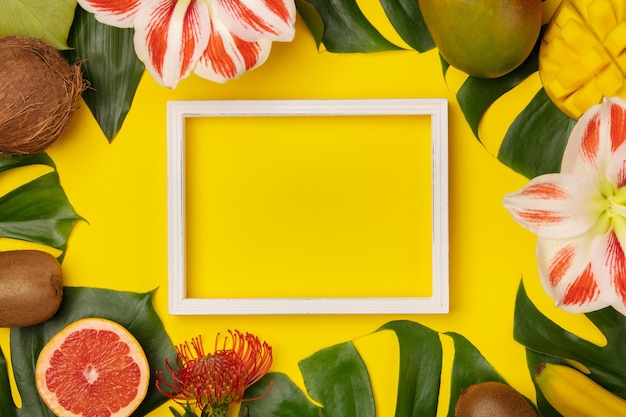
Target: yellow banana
{"points": [[573, 394]]}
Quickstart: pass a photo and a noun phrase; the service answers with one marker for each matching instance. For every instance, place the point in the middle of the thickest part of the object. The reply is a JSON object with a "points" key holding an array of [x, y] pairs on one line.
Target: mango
{"points": [[31, 287], [582, 58], [484, 38]]}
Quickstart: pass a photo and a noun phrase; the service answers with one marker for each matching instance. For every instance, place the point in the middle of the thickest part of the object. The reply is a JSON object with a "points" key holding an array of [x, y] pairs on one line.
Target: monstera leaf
{"points": [[342, 27], [532, 145], [40, 19], [7, 406], [337, 378], [111, 67], [536, 140], [38, 211], [134, 311], [546, 341]]}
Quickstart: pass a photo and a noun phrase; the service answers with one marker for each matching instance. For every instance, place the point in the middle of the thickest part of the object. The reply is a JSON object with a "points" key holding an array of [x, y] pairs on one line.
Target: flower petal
{"points": [[252, 20], [597, 135], [118, 13], [228, 57], [609, 263], [556, 205], [567, 274], [616, 171], [170, 37]]}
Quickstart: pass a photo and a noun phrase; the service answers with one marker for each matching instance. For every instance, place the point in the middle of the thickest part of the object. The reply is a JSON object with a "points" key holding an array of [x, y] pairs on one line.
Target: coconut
{"points": [[39, 92]]}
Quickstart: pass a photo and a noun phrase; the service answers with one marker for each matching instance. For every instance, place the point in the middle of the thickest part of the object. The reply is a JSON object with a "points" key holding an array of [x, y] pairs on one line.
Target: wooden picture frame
{"points": [[178, 300]]}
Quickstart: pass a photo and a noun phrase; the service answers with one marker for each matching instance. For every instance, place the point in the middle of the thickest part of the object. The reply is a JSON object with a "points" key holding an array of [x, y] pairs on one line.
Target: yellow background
{"points": [[121, 189], [317, 206]]}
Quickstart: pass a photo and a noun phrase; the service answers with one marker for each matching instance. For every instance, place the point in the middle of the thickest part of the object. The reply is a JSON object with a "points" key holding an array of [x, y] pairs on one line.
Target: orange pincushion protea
{"points": [[214, 381]]}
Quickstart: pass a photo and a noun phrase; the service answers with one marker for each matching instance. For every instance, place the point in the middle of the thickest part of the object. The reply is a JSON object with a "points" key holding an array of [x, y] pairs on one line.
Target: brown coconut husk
{"points": [[39, 92]]}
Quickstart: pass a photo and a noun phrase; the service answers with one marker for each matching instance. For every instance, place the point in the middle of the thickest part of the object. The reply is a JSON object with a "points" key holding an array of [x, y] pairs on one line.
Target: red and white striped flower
{"points": [[579, 214], [216, 39]]}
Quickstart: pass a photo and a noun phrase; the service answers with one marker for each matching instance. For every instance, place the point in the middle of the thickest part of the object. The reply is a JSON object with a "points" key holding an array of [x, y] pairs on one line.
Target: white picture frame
{"points": [[178, 301]]}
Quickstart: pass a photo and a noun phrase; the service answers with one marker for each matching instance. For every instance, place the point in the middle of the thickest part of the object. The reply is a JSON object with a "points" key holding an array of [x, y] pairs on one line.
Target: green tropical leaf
{"points": [[43, 19], [421, 357], [17, 161], [342, 27], [175, 412], [546, 341], [188, 412], [134, 311], [285, 399], [337, 378], [476, 95], [535, 141], [406, 18], [468, 368], [110, 65], [7, 406], [38, 211], [312, 19]]}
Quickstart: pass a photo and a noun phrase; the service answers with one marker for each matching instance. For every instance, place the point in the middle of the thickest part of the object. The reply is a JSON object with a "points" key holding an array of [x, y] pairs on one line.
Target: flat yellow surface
{"points": [[308, 206], [121, 189]]}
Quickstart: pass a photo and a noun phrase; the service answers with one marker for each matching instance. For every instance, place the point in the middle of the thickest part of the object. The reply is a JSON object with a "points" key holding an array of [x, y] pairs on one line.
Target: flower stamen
{"points": [[214, 381], [616, 208]]}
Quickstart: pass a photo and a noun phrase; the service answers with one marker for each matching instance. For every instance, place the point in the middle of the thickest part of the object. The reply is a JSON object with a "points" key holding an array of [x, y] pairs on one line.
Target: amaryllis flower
{"points": [[214, 381], [579, 214], [217, 39]]}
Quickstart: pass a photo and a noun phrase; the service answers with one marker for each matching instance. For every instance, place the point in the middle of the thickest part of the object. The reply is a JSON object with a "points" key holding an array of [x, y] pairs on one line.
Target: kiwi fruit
{"points": [[492, 399], [31, 287]]}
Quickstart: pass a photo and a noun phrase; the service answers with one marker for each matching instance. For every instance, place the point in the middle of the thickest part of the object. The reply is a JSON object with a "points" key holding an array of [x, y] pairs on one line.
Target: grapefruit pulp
{"points": [[92, 368]]}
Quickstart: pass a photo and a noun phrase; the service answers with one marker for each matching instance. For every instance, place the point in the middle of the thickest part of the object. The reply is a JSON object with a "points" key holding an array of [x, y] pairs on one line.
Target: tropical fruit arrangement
{"points": [[90, 352]]}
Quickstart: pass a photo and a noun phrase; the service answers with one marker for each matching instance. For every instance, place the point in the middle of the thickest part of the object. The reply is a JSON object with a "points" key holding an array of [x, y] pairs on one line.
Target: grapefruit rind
{"points": [[136, 353]]}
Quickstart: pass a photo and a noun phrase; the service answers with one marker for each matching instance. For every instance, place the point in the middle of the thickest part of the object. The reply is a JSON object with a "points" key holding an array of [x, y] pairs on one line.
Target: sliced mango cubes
{"points": [[582, 58]]}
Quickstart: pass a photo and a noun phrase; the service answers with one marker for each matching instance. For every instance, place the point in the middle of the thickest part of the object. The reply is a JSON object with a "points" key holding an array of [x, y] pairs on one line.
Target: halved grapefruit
{"points": [[92, 368]]}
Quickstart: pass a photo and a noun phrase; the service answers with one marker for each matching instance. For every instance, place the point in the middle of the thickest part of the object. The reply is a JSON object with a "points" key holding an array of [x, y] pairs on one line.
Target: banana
{"points": [[573, 394]]}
